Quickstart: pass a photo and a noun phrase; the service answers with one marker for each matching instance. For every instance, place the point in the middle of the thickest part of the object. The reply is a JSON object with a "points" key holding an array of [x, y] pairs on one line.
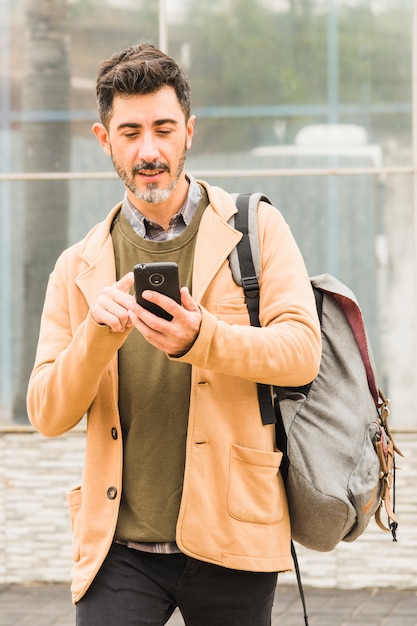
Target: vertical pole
{"points": [[414, 128], [163, 29], [5, 217], [333, 118], [332, 62]]}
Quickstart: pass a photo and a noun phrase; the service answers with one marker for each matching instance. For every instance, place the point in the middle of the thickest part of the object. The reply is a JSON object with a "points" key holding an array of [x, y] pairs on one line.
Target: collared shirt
{"points": [[161, 547], [152, 231]]}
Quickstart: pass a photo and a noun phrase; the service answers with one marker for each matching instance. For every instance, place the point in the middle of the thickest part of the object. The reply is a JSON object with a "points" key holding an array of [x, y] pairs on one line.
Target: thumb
{"points": [[187, 301]]}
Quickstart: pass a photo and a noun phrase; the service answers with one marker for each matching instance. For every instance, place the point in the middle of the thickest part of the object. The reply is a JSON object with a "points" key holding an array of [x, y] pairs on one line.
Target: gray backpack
{"points": [[339, 463]]}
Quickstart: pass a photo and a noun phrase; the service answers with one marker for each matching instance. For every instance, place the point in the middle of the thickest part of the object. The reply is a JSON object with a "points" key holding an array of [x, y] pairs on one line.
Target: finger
{"points": [[111, 308], [168, 304], [106, 318], [125, 283]]}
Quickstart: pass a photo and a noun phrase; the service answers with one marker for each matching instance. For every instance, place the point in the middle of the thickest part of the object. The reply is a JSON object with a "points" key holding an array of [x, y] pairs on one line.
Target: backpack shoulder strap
{"points": [[246, 221], [246, 251], [245, 264]]}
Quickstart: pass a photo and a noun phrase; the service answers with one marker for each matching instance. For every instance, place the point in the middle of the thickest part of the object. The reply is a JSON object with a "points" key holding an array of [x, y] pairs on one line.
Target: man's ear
{"points": [[190, 131], [103, 137]]}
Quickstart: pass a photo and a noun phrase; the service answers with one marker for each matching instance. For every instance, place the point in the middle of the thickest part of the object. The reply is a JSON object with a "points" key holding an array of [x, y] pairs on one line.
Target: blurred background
{"points": [[312, 102]]}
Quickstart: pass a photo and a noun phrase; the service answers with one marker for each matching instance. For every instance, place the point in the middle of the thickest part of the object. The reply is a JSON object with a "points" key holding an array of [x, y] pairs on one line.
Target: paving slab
{"points": [[50, 605]]}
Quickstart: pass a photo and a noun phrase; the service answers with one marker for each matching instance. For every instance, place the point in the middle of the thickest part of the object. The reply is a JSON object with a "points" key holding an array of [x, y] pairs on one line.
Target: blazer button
{"points": [[111, 493], [114, 433]]}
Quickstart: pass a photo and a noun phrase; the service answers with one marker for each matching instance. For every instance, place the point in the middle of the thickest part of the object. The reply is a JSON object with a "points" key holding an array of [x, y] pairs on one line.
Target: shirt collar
{"points": [[138, 221]]}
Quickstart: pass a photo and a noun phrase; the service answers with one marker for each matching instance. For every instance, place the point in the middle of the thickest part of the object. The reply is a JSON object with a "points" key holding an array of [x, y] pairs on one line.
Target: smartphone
{"points": [[161, 277]]}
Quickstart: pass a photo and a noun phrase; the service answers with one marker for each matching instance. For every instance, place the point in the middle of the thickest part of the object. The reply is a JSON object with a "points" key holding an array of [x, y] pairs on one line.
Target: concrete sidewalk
{"points": [[50, 605]]}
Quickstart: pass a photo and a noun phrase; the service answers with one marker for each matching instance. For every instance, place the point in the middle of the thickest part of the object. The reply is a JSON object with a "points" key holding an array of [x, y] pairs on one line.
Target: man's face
{"points": [[147, 139]]}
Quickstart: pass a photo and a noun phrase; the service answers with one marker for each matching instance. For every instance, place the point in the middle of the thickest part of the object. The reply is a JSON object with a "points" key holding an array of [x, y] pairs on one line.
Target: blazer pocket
{"points": [[74, 506], [233, 310], [255, 492]]}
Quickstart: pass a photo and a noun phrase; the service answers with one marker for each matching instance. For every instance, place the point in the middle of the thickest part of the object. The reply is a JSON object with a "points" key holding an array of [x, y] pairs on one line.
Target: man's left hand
{"points": [[174, 337]]}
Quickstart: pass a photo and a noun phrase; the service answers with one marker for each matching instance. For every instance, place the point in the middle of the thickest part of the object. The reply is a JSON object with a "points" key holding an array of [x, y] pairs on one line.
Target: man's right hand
{"points": [[111, 307]]}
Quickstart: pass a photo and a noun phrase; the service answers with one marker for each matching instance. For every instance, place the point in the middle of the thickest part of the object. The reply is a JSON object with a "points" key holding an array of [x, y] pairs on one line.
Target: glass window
{"points": [[308, 101]]}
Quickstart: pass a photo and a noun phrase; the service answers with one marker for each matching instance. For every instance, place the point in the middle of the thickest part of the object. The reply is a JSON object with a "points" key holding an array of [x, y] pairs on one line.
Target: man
{"points": [[182, 503]]}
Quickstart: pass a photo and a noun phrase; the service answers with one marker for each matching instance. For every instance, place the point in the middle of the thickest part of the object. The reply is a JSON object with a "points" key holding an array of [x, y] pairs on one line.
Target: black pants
{"points": [[135, 588]]}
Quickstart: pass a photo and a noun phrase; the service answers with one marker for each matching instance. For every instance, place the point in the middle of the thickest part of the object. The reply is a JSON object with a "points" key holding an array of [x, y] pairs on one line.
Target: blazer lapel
{"points": [[215, 241], [98, 255]]}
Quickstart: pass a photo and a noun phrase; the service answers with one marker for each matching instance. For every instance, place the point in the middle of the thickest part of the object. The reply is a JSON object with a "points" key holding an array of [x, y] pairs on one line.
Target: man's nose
{"points": [[148, 148]]}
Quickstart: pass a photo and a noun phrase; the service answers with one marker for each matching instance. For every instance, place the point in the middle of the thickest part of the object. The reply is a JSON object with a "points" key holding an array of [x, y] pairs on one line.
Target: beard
{"points": [[152, 194]]}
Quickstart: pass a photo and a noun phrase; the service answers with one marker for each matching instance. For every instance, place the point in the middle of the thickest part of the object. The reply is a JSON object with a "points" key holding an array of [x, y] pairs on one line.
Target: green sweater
{"points": [[154, 397]]}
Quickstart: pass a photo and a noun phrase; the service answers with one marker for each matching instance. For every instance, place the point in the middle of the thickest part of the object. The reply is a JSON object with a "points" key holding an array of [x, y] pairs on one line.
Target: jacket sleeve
{"points": [[70, 360], [286, 350]]}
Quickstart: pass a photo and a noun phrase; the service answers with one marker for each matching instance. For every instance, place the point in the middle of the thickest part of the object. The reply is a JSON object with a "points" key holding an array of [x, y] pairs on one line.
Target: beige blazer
{"points": [[233, 510]]}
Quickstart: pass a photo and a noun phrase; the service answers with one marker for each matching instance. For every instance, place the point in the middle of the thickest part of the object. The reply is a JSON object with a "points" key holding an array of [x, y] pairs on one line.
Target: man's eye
{"points": [[164, 131]]}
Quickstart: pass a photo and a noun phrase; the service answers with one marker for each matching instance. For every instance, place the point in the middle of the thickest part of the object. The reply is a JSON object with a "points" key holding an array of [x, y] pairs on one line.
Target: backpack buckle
{"points": [[251, 286]]}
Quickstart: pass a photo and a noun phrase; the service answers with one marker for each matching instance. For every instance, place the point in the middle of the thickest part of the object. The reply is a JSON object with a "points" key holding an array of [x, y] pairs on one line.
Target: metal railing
{"points": [[223, 173]]}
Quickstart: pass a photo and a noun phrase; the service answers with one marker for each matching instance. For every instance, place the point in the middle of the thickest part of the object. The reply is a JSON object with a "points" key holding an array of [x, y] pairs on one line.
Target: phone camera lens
{"points": [[156, 279]]}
